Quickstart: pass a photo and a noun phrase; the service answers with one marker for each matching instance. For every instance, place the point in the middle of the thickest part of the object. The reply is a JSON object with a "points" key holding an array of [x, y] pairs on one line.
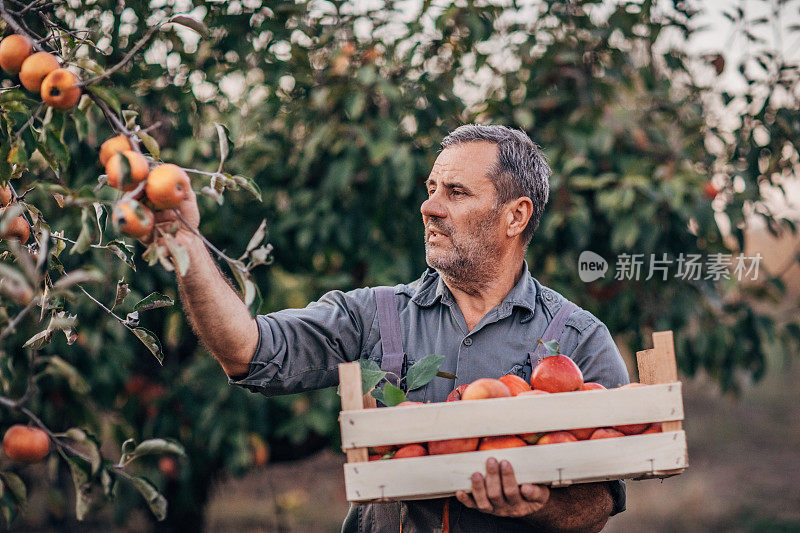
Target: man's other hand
{"points": [[500, 494]]}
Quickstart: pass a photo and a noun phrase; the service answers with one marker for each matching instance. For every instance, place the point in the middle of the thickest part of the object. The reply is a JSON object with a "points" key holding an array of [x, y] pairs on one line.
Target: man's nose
{"points": [[432, 207]]}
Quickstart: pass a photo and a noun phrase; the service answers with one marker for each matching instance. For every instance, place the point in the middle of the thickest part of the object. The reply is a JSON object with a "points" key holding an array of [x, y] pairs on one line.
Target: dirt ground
{"points": [[744, 456]]}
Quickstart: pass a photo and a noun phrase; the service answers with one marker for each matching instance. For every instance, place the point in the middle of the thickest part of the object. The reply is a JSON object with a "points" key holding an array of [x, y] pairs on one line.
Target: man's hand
{"points": [[167, 218], [500, 494]]}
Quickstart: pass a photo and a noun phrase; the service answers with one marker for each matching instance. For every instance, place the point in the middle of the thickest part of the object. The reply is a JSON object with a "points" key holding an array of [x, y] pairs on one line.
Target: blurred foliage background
{"points": [[336, 111]]}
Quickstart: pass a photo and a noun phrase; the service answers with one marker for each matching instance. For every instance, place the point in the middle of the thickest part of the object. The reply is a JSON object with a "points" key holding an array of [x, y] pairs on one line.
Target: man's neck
{"points": [[477, 299]]}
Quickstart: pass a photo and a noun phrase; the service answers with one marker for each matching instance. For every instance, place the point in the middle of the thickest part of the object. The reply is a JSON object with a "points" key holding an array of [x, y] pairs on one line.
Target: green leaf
{"points": [[83, 487], [122, 250], [156, 446], [109, 483], [150, 143], [179, 254], [106, 96], [378, 395], [423, 371], [129, 117], [550, 346], [393, 395], [246, 285], [257, 237], [222, 136], [155, 501], [89, 445], [122, 291], [84, 240], [15, 484], [151, 341], [154, 300], [371, 375], [249, 185], [190, 23]]}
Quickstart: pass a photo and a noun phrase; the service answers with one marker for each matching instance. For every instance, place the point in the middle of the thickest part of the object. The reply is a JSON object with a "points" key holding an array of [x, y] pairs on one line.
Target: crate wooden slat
{"points": [[521, 414], [556, 464]]}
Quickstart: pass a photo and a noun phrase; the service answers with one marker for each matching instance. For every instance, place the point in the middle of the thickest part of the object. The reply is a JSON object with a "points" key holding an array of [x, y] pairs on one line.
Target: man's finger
{"points": [[494, 488], [535, 493], [509, 482], [466, 499], [479, 493]]}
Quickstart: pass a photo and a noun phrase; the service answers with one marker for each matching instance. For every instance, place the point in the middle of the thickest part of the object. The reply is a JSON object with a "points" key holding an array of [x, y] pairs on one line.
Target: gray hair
{"points": [[520, 169]]}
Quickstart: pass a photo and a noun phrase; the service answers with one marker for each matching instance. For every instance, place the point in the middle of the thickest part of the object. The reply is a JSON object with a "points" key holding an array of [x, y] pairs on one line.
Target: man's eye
{"points": [[458, 192]]}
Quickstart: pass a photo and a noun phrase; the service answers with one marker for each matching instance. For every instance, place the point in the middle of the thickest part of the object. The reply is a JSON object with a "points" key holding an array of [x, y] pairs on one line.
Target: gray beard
{"points": [[469, 264]]}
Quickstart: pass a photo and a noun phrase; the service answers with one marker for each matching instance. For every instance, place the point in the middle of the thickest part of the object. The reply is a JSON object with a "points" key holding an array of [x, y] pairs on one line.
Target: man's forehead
{"points": [[469, 161]]}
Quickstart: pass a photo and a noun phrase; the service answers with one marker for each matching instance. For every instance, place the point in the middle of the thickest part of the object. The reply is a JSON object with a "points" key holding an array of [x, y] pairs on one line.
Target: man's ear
{"points": [[519, 212]]}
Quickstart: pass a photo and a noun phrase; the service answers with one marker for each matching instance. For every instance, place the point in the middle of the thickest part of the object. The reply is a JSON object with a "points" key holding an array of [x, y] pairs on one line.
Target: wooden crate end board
{"points": [[560, 464]]}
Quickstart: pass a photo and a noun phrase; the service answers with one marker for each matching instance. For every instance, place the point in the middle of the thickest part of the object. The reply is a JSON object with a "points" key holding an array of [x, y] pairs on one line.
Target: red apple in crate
{"points": [[381, 450], [499, 442], [410, 450], [375, 457], [534, 392], [606, 433], [653, 428], [556, 437], [442, 447], [408, 402], [515, 384], [531, 438], [456, 394], [484, 388], [583, 433], [557, 373], [591, 385]]}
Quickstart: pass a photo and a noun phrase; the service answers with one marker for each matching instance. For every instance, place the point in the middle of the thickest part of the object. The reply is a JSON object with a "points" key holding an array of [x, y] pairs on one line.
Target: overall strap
{"points": [[556, 326], [391, 338]]}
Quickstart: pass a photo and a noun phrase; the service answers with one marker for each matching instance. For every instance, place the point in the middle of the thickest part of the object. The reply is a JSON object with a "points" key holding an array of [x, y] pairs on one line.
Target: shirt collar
{"points": [[432, 289]]}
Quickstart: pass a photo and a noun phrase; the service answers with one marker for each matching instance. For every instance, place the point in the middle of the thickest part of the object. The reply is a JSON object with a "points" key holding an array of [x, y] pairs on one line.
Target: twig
{"points": [[146, 37], [16, 27], [13, 324], [233, 262], [30, 121], [103, 307]]}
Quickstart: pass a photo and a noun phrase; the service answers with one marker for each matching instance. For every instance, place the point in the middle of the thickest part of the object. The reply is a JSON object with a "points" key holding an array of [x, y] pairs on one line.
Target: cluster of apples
{"points": [[39, 72], [166, 185], [554, 374]]}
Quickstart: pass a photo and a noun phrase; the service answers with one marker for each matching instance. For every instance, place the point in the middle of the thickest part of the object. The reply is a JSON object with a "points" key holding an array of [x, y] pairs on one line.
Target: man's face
{"points": [[463, 234]]}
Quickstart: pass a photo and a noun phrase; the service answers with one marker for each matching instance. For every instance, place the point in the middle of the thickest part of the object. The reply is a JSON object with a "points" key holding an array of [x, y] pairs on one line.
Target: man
{"points": [[477, 305]]}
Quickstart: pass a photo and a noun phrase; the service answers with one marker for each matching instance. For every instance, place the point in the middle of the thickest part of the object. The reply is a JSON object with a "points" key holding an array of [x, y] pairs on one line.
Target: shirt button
{"points": [[467, 341], [548, 296]]}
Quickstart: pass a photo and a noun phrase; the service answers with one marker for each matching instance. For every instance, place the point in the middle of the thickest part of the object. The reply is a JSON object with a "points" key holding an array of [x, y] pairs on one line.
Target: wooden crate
{"points": [[637, 456]]}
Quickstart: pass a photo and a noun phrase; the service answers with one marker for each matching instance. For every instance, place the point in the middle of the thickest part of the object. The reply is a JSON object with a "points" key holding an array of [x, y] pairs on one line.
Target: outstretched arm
{"points": [[218, 316]]}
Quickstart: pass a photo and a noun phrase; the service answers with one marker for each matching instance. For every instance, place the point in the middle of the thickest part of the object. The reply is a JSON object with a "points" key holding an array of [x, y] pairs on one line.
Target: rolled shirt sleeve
{"points": [[299, 349]]}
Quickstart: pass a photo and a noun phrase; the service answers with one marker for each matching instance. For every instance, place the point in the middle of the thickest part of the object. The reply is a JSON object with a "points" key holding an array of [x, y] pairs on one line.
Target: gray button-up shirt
{"points": [[299, 350]]}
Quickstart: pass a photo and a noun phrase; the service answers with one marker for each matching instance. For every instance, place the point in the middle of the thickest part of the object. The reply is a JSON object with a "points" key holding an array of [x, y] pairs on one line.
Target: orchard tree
{"points": [[64, 93]]}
